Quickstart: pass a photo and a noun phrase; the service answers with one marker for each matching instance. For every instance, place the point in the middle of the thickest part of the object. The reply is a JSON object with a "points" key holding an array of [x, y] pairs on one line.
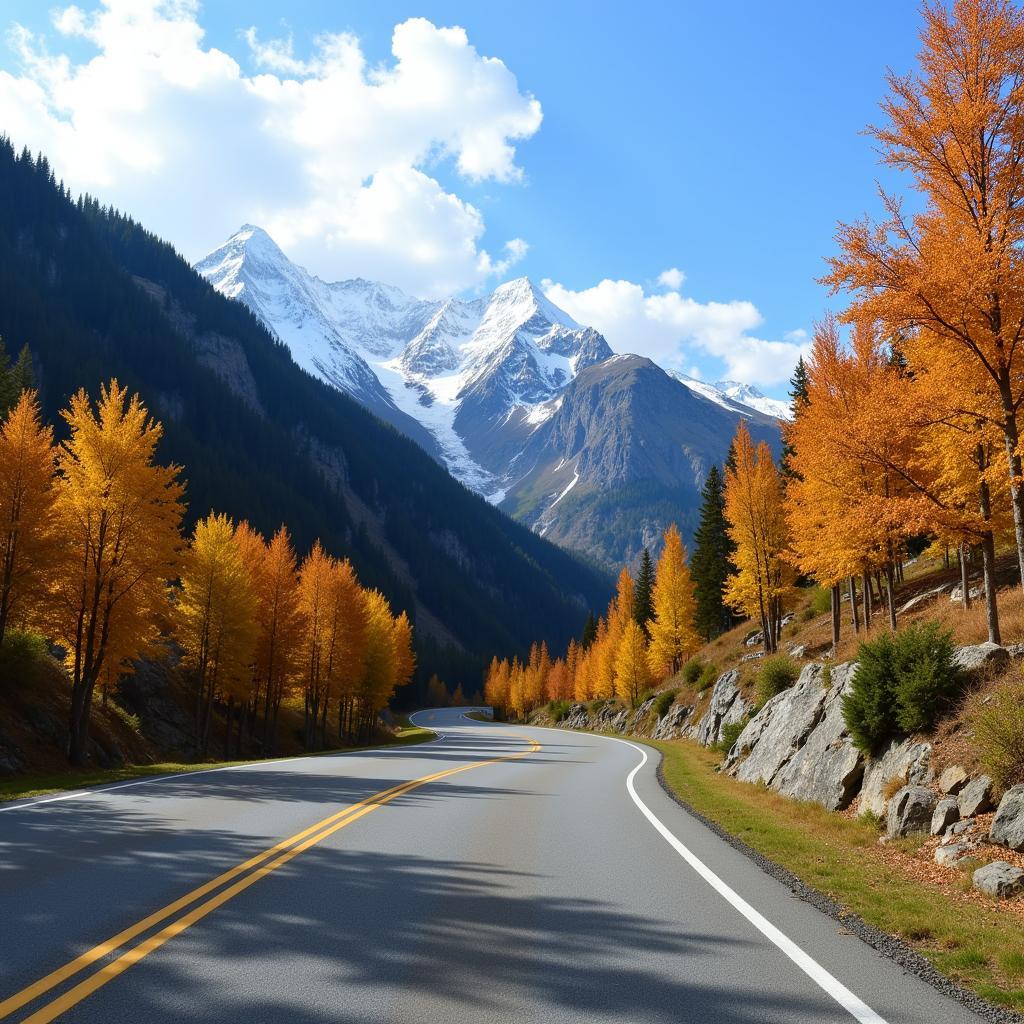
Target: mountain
{"points": [[738, 397], [460, 377], [625, 453], [94, 296]]}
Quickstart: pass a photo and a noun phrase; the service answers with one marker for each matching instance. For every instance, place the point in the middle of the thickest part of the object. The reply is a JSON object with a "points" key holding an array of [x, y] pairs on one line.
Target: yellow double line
{"points": [[242, 876]]}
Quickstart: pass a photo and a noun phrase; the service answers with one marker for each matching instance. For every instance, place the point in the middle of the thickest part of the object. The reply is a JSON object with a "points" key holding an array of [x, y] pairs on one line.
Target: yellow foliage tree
{"points": [[673, 635], [119, 514], [632, 673]]}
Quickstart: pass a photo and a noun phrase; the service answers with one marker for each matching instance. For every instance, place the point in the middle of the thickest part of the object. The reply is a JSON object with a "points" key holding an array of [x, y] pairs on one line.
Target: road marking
{"points": [[853, 1004], [831, 985], [257, 867]]}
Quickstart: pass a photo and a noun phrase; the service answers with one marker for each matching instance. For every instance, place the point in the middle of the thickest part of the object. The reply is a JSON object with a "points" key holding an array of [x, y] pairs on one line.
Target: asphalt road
{"points": [[526, 883]]}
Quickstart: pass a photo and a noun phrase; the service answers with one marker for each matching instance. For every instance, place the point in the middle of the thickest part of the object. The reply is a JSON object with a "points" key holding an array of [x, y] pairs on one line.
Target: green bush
{"points": [[21, 658], [821, 601], [692, 671], [902, 684], [558, 709], [777, 673], [730, 734], [707, 678], [663, 702], [130, 720], [826, 675], [999, 735]]}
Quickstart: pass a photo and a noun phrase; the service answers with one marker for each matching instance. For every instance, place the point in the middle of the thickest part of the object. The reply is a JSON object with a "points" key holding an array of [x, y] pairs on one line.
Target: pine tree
{"points": [[711, 562], [798, 401], [673, 637], [589, 632], [643, 609], [22, 375]]}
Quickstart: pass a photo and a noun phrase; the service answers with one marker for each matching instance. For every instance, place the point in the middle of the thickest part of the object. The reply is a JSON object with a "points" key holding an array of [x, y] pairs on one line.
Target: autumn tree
{"points": [[215, 618], [757, 527], [673, 637], [632, 673], [947, 277], [28, 523], [119, 513]]}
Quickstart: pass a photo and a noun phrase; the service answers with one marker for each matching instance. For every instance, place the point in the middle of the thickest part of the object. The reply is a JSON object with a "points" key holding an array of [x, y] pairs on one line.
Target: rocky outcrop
{"points": [[904, 760], [1008, 824], [999, 879], [727, 707], [673, 723], [910, 811], [976, 657], [976, 797]]}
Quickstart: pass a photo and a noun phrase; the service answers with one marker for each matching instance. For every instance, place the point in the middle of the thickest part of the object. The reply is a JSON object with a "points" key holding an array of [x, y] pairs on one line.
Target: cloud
{"points": [[672, 278], [335, 158], [672, 328]]}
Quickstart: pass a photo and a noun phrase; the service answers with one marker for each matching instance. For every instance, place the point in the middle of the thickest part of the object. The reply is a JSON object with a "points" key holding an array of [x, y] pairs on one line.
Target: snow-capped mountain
{"points": [[735, 396], [488, 385], [448, 369]]}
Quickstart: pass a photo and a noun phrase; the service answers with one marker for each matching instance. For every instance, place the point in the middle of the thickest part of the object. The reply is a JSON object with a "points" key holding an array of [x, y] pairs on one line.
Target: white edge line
{"points": [[831, 985], [93, 791]]}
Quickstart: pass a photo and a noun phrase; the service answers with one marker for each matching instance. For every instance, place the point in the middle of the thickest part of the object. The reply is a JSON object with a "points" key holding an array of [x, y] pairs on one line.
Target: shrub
{"points": [[826, 675], [692, 671], [730, 734], [707, 678], [643, 698], [999, 734], [777, 673], [663, 702], [558, 709], [21, 658], [821, 601], [902, 683], [130, 720]]}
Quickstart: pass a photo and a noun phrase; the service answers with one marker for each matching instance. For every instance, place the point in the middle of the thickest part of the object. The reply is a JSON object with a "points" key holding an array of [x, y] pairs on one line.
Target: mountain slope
{"points": [[625, 454], [94, 295]]}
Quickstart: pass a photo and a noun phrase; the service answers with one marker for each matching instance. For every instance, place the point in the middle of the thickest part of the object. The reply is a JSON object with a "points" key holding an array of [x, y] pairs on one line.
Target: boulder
{"points": [[672, 724], [1015, 650], [753, 639], [827, 768], [947, 812], [961, 826], [725, 708], [752, 656], [910, 811], [999, 879], [798, 651], [976, 797], [957, 593], [975, 657], [952, 780], [1008, 824], [906, 760], [951, 855], [781, 729]]}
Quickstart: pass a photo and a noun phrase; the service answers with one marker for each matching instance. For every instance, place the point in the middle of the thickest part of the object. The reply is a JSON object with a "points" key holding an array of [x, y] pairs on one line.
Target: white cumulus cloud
{"points": [[333, 157], [672, 278], [671, 328]]}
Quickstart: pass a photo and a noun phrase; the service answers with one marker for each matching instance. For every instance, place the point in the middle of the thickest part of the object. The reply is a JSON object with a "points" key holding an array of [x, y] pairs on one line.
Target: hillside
{"points": [[94, 295]]}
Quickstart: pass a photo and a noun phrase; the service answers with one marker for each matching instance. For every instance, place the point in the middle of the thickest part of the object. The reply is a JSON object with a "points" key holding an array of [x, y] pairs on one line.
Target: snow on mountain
{"points": [[735, 396], [450, 368]]}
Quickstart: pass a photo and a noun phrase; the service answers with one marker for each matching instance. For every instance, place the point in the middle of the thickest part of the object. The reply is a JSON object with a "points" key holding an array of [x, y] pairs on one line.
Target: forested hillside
{"points": [[94, 296]]}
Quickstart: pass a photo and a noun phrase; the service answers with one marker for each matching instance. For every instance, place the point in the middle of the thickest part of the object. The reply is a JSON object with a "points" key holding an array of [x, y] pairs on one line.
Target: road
{"points": [[497, 874]]}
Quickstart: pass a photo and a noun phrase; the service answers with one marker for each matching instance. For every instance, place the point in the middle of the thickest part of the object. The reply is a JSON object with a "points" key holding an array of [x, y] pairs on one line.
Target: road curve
{"points": [[498, 874]]}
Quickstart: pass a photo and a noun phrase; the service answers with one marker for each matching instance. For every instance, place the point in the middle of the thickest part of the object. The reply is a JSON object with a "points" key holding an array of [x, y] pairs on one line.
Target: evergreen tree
{"points": [[589, 631], [22, 376], [643, 609], [711, 563], [798, 400]]}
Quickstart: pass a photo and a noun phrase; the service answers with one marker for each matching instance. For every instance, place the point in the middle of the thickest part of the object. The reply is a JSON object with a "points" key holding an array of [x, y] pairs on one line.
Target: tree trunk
{"points": [[866, 582], [988, 558], [854, 612], [836, 617], [889, 597], [965, 582], [1011, 438]]}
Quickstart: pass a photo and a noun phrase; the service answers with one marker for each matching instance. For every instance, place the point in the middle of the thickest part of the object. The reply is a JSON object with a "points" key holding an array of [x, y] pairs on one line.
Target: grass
{"points": [[971, 941], [41, 784], [479, 716]]}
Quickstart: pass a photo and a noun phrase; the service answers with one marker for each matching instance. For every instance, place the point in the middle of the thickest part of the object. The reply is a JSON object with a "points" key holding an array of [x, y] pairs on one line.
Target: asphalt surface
{"points": [[534, 888]]}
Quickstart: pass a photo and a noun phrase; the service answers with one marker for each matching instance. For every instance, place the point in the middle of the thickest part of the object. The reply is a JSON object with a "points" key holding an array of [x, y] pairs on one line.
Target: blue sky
{"points": [[723, 140]]}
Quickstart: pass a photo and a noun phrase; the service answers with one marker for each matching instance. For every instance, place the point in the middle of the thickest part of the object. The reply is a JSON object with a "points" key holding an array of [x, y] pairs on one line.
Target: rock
{"points": [[910, 811], [672, 724], [961, 826], [780, 728], [947, 812], [1015, 650], [976, 797], [798, 651], [753, 639], [753, 656], [952, 779], [726, 707], [951, 855], [828, 768], [786, 619], [999, 879], [957, 593], [906, 760], [975, 657], [1008, 824]]}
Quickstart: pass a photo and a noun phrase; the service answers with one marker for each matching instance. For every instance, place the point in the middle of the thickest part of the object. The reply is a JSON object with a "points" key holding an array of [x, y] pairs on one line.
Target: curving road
{"points": [[496, 875]]}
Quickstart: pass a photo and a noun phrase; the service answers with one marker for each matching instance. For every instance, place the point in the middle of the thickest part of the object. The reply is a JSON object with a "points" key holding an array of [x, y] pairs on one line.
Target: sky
{"points": [[670, 173]]}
